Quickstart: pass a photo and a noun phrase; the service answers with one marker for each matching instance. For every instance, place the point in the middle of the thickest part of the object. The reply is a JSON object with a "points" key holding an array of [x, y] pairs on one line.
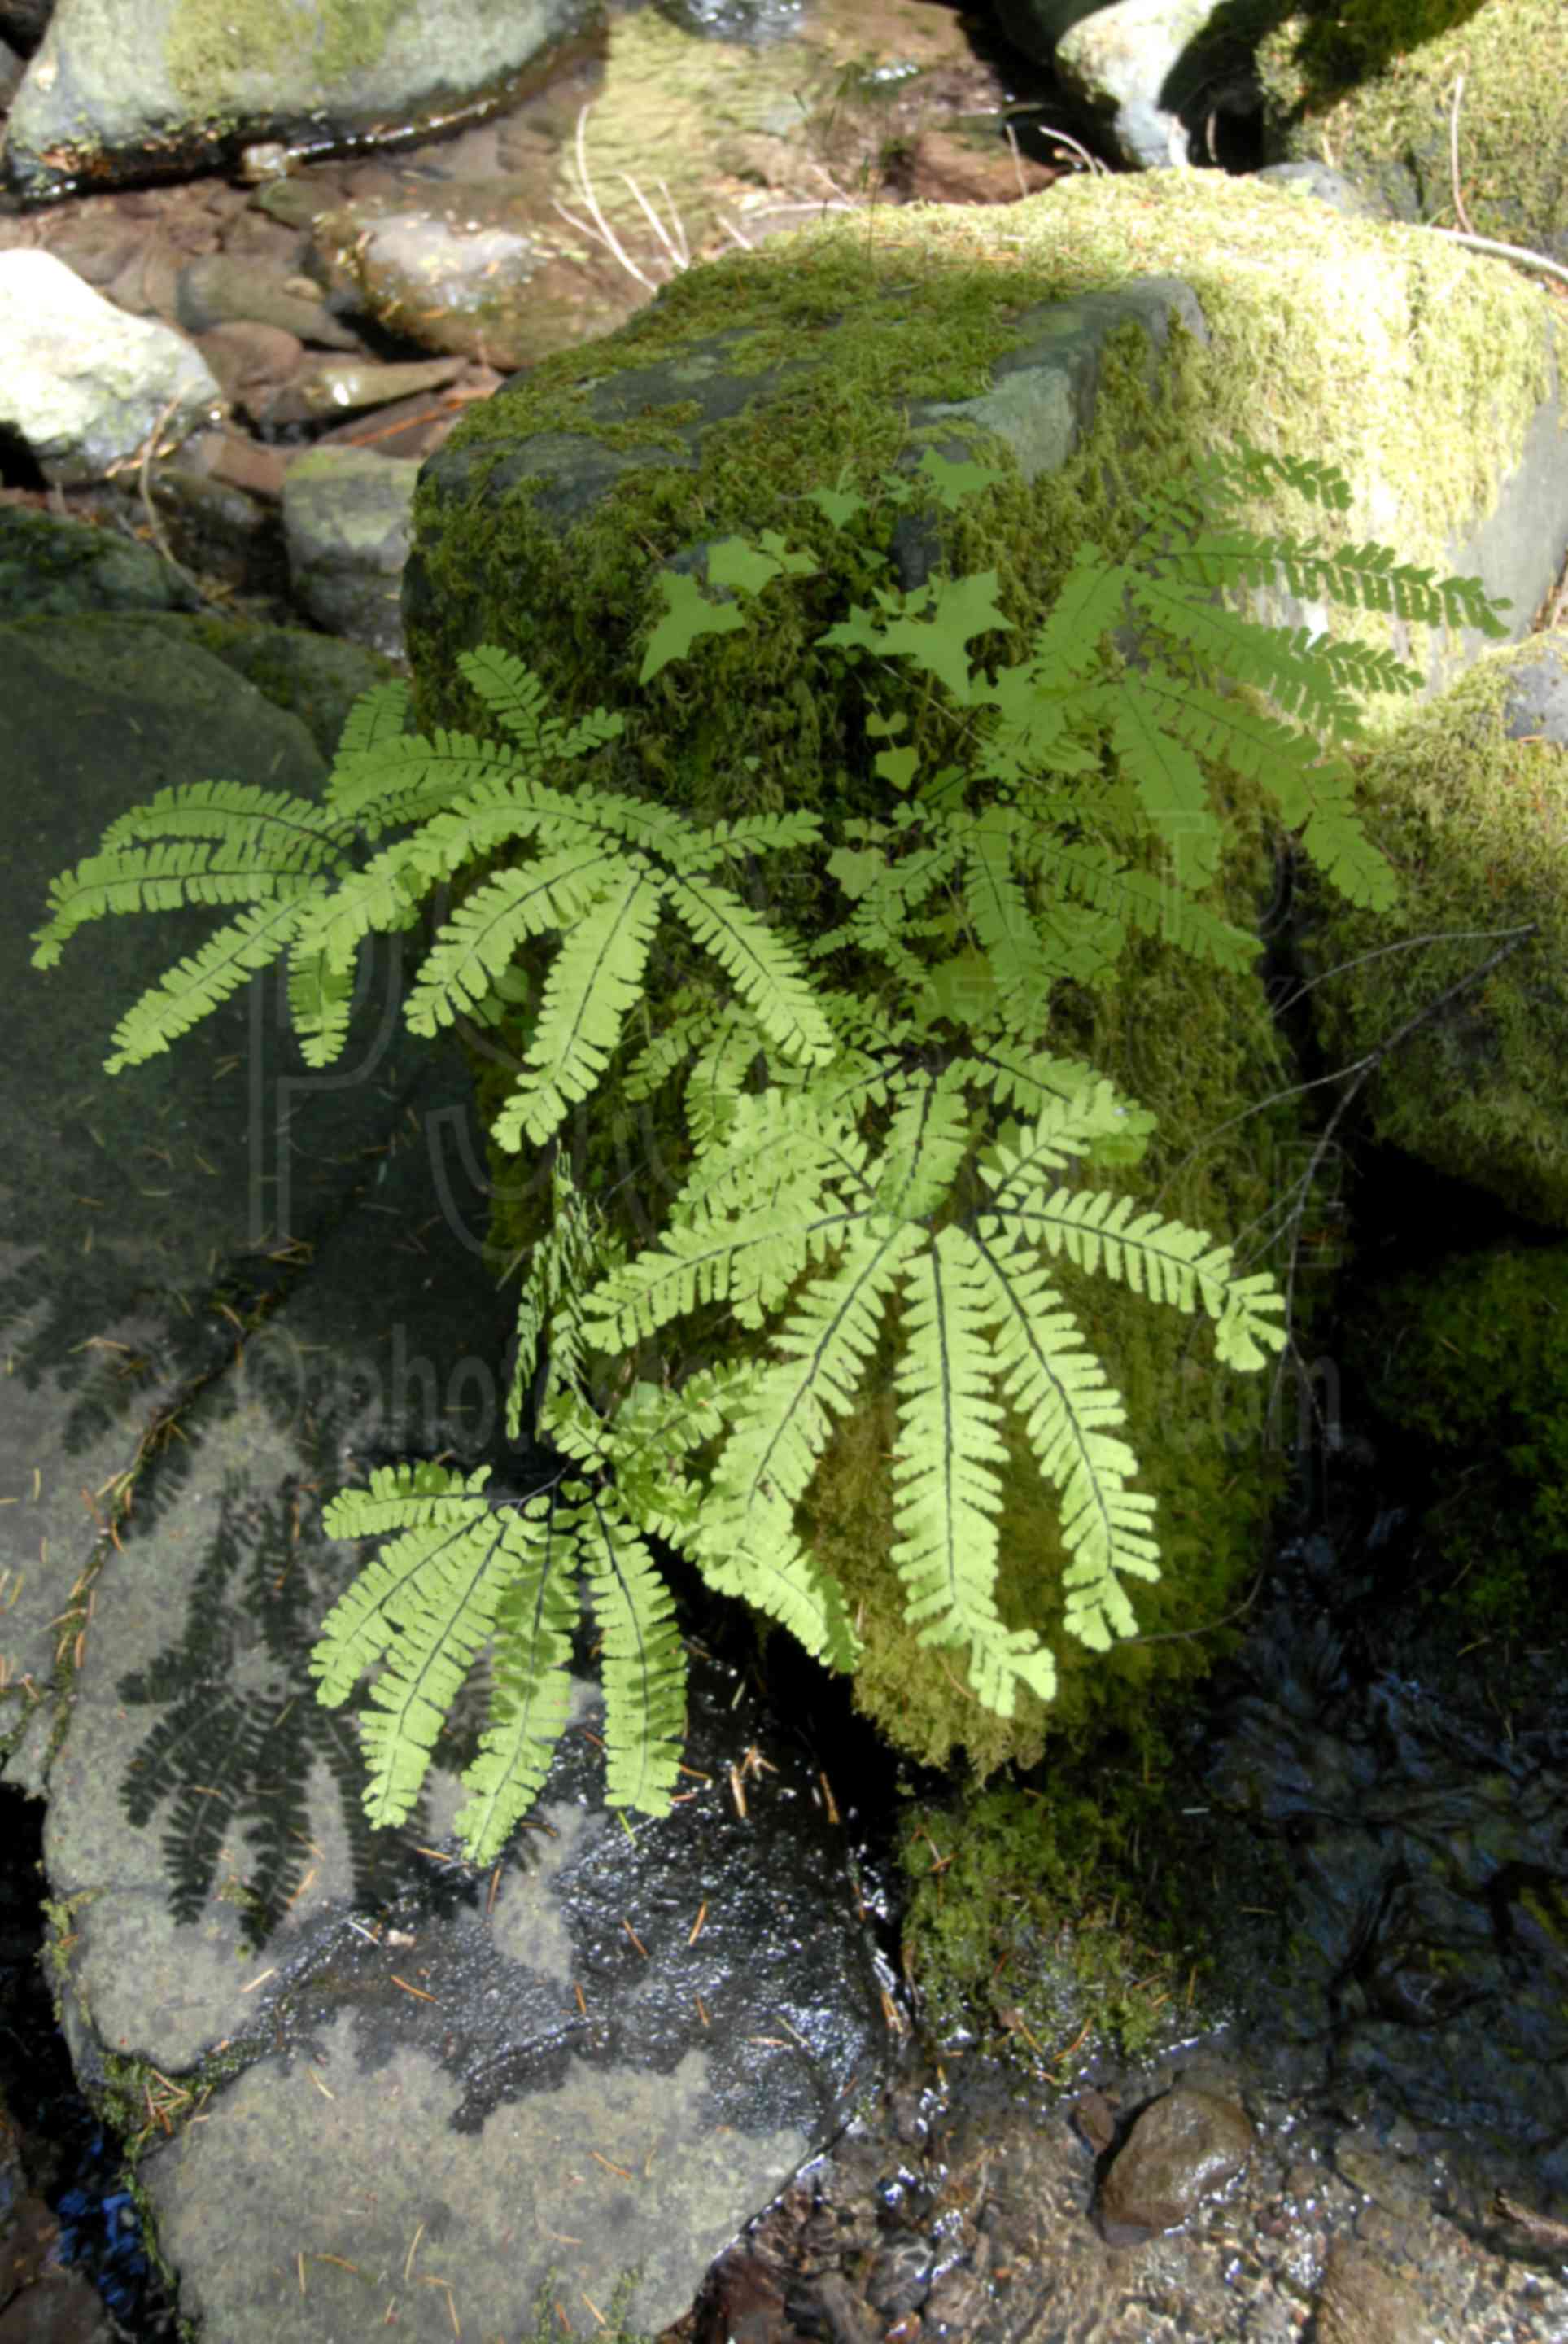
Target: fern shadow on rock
{"points": [[237, 1736]]}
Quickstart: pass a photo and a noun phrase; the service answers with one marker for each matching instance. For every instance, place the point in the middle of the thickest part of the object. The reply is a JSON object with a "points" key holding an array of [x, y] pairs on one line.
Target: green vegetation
{"points": [[1023, 1932], [1475, 1358], [886, 1175]]}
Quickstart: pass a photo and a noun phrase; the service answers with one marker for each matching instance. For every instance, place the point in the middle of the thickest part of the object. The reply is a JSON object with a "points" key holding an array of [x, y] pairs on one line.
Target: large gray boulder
{"points": [[176, 89]]}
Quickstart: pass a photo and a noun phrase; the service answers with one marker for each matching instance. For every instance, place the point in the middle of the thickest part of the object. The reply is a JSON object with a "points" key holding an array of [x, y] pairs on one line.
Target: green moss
{"points": [[1475, 1358], [208, 45], [1477, 824], [921, 304], [1024, 1930], [1370, 88]]}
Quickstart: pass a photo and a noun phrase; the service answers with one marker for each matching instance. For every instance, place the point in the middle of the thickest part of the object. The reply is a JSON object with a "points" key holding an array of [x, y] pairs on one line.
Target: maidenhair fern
{"points": [[910, 1145]]}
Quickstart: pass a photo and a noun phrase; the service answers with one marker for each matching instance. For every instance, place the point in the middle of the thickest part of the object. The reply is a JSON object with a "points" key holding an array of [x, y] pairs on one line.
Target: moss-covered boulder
{"points": [[1069, 347], [1370, 88], [1460, 996]]}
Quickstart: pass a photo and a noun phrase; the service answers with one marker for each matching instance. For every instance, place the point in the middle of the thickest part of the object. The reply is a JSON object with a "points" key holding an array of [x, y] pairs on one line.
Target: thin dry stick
{"points": [[1464, 233], [607, 234], [144, 484], [1360, 1074], [1505, 252], [1460, 212], [1063, 140]]}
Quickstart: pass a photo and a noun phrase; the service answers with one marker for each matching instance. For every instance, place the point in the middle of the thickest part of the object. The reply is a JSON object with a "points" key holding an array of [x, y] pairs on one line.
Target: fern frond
{"points": [[1143, 904], [1165, 1260], [194, 987], [759, 962], [742, 1170], [948, 1493], [888, 891], [477, 943], [383, 896], [752, 1551], [1321, 803], [1071, 1416], [717, 1076], [1268, 658], [752, 834], [689, 1015], [1292, 767], [1021, 969], [429, 1598], [421, 1501], [1171, 785], [594, 983], [1011, 1073], [1015, 1164], [574, 1249], [644, 1665], [159, 878], [826, 1342], [752, 1258], [267, 830], [516, 697], [1223, 475], [1248, 1330], [410, 776], [377, 716], [445, 1619], [321, 1001], [532, 1688], [929, 1137], [1367, 577]]}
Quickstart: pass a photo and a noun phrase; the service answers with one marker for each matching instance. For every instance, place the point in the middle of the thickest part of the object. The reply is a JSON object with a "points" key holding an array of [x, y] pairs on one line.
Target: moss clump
{"points": [[1475, 1359], [1372, 86], [1477, 824], [1024, 1931]]}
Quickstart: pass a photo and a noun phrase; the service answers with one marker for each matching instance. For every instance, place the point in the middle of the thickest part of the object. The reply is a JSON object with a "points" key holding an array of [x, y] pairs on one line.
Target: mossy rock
{"points": [[1025, 1930], [557, 558], [1473, 1358], [1476, 823], [1374, 85]]}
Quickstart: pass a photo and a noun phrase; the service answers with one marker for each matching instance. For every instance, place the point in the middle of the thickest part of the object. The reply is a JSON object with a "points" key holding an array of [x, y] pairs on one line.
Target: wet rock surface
{"points": [[1182, 2147], [984, 2207]]}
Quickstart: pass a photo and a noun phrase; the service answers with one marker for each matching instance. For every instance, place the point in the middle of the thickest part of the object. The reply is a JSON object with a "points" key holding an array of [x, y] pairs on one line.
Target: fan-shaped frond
{"points": [[832, 1136]]}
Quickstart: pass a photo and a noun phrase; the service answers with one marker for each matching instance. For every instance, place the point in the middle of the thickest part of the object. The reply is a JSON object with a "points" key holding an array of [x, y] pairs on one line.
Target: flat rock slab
{"points": [[376, 2085]]}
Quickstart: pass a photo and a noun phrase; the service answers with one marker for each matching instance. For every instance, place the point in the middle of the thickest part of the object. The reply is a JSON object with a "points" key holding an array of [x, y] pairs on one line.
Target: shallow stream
{"points": [[1385, 1822]]}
